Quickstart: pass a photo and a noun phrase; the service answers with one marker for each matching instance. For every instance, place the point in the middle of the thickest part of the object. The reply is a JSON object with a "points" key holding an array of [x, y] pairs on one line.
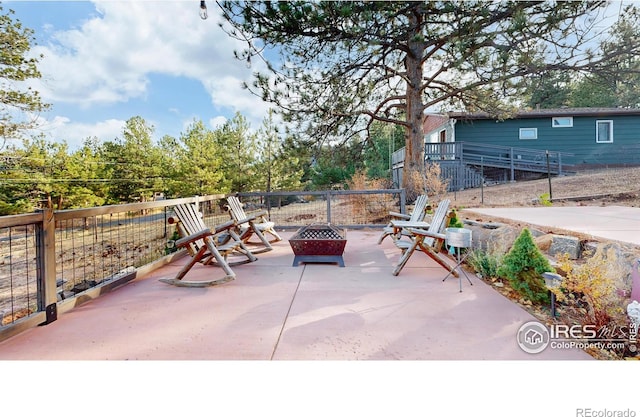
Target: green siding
{"points": [[579, 140]]}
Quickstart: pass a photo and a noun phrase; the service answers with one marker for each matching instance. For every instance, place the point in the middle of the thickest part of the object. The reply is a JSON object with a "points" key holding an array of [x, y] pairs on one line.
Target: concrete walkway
{"points": [[274, 311], [607, 222]]}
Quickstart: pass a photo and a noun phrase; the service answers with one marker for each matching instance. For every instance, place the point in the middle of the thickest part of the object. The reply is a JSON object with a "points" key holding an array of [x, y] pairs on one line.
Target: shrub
{"points": [[454, 221], [592, 283], [523, 266], [486, 262], [545, 200], [430, 182], [364, 207]]}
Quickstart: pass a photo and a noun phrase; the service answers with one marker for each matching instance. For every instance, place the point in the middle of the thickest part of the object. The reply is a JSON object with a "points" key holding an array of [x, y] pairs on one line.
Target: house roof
{"points": [[531, 114]]}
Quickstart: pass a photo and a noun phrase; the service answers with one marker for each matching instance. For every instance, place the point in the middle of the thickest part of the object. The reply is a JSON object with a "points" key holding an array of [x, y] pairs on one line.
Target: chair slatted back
{"points": [[190, 217], [439, 220], [237, 211], [419, 208], [191, 221]]}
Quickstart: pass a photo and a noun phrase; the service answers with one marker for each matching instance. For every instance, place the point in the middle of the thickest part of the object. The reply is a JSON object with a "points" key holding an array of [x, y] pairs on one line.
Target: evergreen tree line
{"points": [[201, 161]]}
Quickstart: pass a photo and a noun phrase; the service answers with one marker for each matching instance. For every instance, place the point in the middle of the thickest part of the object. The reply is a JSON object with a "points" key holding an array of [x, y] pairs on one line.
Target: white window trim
{"points": [[533, 130], [570, 118], [610, 131]]}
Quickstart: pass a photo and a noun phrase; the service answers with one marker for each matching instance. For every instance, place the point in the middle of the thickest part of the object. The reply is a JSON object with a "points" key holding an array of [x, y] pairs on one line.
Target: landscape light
{"points": [[552, 280]]}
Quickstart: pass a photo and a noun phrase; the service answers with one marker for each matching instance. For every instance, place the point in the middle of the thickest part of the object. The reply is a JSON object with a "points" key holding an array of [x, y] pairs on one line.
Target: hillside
{"points": [[614, 186]]}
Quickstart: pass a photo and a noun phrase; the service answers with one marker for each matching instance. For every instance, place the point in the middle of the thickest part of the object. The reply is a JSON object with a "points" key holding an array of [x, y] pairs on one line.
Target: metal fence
{"points": [[52, 261], [344, 208]]}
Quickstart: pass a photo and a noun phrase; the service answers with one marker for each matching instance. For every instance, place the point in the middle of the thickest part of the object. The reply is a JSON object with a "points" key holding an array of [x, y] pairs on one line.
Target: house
{"points": [[534, 142], [589, 136]]}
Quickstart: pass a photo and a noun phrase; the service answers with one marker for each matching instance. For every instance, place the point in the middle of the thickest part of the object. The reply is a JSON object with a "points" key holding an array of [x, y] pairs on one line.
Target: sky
{"points": [[105, 62]]}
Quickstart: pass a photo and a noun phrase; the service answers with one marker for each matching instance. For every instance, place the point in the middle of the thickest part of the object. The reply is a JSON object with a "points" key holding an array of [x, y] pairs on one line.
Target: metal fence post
{"points": [[328, 206], [482, 180], [559, 163], [511, 165]]}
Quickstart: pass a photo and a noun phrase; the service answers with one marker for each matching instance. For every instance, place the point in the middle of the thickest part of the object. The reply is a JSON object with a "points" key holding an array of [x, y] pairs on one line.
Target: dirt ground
{"points": [[613, 186]]}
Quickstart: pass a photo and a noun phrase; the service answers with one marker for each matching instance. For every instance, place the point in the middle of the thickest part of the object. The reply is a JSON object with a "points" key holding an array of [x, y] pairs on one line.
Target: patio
{"points": [[274, 311]]}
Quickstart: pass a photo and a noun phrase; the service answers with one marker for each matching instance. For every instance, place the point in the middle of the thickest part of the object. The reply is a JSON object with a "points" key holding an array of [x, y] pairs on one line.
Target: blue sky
{"points": [[107, 61]]}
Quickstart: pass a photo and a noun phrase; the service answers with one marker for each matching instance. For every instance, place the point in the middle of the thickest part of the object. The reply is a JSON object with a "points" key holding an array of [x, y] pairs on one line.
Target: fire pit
{"points": [[320, 243]]}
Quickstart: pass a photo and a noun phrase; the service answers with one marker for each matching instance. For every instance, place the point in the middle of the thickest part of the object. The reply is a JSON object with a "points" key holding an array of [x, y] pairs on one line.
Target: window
{"points": [[528, 133], [604, 131], [562, 121]]}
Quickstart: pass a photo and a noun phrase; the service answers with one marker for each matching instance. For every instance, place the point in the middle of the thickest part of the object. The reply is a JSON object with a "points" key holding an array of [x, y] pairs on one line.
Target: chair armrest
{"points": [[407, 224], [205, 233], [399, 215], [253, 217], [427, 233], [191, 238], [225, 226]]}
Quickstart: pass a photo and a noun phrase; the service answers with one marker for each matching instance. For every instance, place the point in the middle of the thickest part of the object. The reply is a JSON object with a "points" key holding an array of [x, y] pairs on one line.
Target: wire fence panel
{"points": [[18, 273], [353, 209], [92, 250]]}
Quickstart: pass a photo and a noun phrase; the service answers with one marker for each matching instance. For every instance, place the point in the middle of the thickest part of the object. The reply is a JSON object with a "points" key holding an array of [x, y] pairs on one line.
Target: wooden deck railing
{"points": [[508, 158], [52, 261]]}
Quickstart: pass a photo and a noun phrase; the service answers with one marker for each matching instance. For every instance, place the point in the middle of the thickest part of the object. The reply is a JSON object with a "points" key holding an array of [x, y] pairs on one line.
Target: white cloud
{"points": [[107, 59], [227, 91], [74, 134], [217, 122]]}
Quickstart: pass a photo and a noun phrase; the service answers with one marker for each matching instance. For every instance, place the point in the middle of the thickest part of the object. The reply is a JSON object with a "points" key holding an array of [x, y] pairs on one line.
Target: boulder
{"points": [[544, 242], [565, 244], [487, 236]]}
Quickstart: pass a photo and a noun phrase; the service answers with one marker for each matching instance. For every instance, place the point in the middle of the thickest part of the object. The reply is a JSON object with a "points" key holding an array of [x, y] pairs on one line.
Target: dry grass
{"points": [[619, 186]]}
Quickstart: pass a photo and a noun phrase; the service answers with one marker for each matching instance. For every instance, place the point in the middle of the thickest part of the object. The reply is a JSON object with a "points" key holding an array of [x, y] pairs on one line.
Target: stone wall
{"points": [[498, 236]]}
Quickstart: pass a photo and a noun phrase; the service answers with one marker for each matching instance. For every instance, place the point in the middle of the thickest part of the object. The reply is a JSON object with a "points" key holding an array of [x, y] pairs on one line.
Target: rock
{"points": [[565, 244], [543, 242], [536, 232], [620, 260], [487, 236]]}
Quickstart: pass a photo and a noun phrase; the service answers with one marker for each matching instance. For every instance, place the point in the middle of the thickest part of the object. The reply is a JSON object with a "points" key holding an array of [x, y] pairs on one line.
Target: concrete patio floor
{"points": [[274, 311]]}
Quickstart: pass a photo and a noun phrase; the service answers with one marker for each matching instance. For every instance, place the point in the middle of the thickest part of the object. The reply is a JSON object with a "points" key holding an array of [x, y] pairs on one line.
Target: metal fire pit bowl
{"points": [[318, 243]]}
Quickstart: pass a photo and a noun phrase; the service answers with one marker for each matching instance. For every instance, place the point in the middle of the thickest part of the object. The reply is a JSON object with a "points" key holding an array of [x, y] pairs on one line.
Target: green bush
{"points": [[545, 200], [484, 263], [523, 266], [454, 221]]}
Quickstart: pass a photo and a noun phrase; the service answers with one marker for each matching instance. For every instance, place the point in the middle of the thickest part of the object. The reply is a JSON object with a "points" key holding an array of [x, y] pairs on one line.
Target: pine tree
{"points": [[17, 100], [523, 266]]}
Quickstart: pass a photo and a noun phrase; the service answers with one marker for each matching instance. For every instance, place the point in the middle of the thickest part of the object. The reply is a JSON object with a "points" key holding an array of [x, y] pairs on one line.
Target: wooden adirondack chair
{"points": [[396, 226], [254, 224], [209, 247], [429, 240]]}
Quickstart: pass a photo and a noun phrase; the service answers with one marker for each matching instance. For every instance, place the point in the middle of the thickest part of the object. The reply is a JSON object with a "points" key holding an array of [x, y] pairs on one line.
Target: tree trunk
{"points": [[414, 137]]}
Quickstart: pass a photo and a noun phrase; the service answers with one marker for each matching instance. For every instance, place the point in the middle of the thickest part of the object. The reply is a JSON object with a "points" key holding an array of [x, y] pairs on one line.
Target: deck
{"points": [[274, 311]]}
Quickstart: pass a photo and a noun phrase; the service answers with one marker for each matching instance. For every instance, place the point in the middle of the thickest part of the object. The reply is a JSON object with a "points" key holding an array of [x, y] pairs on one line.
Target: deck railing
{"points": [[52, 261], [344, 208], [507, 158]]}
